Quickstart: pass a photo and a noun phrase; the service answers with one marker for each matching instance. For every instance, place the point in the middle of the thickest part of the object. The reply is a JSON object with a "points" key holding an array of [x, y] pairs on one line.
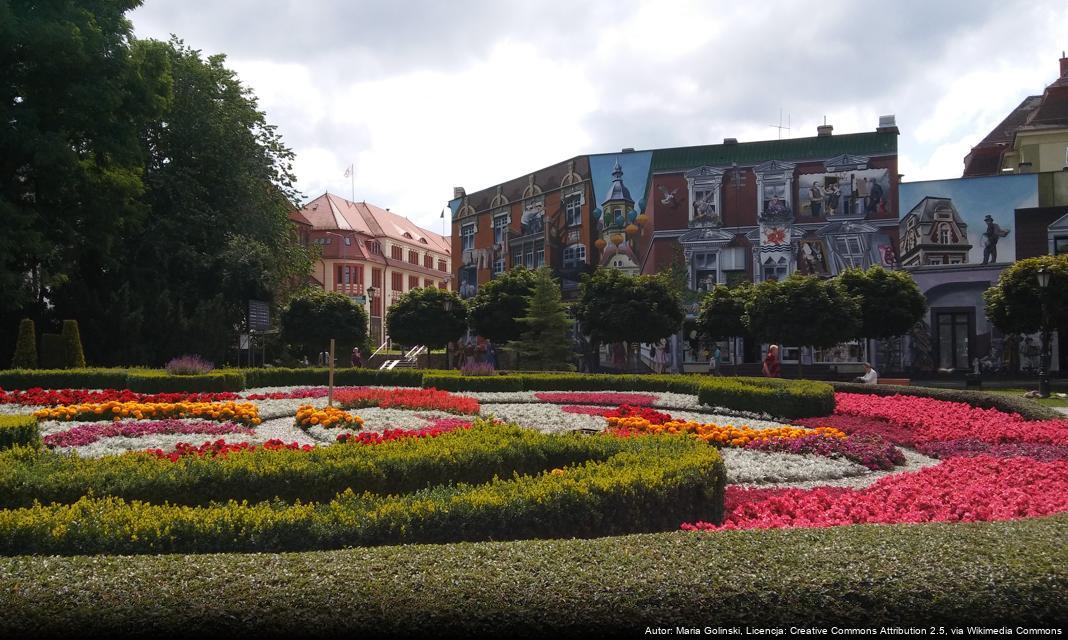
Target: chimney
{"points": [[1064, 66], [627, 150], [824, 130], [887, 124], [730, 141], [458, 192]]}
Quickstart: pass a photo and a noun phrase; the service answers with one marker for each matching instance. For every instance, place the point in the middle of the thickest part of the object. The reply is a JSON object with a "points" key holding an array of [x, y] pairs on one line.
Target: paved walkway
{"points": [[1063, 410]]}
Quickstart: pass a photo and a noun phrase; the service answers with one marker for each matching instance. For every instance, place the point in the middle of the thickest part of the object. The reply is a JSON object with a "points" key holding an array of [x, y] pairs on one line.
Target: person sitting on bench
{"points": [[871, 376]]}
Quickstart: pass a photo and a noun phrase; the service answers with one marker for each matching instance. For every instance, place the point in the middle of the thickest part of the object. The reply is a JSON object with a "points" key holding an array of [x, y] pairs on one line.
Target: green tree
{"points": [[72, 345], [315, 316], [25, 346], [803, 311], [616, 307], [74, 97], [429, 316], [494, 311], [722, 314], [1015, 303], [890, 302], [545, 343]]}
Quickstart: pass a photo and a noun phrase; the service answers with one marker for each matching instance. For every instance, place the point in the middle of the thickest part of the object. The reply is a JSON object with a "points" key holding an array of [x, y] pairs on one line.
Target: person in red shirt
{"points": [[771, 362]]}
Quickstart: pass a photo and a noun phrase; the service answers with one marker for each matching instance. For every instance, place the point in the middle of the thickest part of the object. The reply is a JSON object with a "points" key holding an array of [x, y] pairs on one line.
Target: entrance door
{"points": [[953, 332]]}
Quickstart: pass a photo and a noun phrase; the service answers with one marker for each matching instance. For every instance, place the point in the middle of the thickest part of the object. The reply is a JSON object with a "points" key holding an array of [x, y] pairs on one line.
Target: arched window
{"points": [[943, 233]]}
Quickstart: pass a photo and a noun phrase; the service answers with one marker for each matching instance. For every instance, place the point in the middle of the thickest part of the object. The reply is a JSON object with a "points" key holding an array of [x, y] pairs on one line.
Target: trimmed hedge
{"points": [[19, 431], [318, 376], [63, 379], [25, 346], [473, 455], [652, 484], [455, 382], [154, 381], [1028, 409], [73, 354]]}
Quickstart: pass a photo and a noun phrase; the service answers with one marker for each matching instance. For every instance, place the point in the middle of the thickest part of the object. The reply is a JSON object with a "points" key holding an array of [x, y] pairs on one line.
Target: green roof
{"points": [[789, 150]]}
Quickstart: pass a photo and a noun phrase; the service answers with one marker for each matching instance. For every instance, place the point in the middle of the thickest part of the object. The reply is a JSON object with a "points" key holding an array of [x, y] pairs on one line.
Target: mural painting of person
{"points": [[815, 199], [991, 236], [875, 197]]}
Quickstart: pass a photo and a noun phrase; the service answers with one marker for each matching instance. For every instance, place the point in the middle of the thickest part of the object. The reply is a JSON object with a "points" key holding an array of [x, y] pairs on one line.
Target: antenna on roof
{"points": [[780, 126]]}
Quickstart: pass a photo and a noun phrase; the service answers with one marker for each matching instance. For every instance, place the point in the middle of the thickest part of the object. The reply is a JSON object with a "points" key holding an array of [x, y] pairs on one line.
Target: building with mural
{"points": [[372, 254]]}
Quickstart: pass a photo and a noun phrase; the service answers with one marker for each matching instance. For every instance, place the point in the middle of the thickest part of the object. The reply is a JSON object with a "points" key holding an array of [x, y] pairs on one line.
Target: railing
{"points": [[382, 347], [351, 289]]}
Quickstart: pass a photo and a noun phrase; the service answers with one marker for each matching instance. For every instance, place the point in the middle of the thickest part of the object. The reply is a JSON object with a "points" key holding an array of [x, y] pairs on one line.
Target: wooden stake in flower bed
{"points": [[330, 391]]}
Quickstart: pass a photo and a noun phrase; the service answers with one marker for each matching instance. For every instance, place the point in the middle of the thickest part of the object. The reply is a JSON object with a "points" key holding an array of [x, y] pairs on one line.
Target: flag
{"points": [[348, 171], [442, 216]]}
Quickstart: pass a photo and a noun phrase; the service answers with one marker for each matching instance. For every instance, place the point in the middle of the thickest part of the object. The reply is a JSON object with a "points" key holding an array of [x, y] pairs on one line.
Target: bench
{"points": [[900, 382]]}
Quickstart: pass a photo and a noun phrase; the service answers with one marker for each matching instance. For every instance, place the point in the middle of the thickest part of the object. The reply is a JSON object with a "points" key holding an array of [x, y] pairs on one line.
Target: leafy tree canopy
{"points": [[802, 311], [723, 311], [495, 309], [616, 307], [890, 302], [315, 316], [1014, 304], [420, 317]]}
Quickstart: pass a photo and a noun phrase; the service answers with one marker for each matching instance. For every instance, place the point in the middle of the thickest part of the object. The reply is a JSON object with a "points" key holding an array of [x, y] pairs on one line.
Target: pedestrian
{"points": [[771, 362], [871, 376], [491, 354], [357, 358], [713, 362]]}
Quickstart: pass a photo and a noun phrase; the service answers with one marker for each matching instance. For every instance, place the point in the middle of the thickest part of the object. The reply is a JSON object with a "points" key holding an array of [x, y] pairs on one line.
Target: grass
{"points": [[986, 574], [1048, 402]]}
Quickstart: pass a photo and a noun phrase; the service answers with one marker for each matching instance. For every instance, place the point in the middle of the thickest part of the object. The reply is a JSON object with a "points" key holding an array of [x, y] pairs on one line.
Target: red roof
{"points": [[333, 213]]}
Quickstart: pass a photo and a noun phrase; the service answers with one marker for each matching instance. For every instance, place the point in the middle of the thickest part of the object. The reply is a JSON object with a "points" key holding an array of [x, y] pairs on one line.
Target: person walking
{"points": [[713, 362], [357, 358], [771, 362]]}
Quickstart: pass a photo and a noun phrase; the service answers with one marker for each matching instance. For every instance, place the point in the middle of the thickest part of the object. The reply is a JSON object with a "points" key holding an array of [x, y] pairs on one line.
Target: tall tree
{"points": [[722, 314], [545, 343], [315, 316], [1015, 303], [803, 311], [74, 97], [429, 316], [494, 310], [890, 302], [616, 307]]}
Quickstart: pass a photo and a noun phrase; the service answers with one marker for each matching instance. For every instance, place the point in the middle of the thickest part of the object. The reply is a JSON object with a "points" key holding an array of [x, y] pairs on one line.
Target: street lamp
{"points": [[371, 291], [448, 308], [1043, 276]]}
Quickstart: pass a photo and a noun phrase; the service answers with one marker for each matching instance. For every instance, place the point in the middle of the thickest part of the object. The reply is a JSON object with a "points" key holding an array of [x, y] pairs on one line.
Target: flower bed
{"points": [[958, 490], [440, 427], [308, 416], [82, 435], [244, 413], [722, 435], [610, 398], [427, 399], [38, 397], [221, 448]]}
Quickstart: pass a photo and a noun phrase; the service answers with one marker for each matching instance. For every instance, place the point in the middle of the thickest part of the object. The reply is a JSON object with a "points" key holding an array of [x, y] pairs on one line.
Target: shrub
{"points": [[601, 486], [73, 355], [25, 346], [1028, 409], [448, 381], [155, 381], [64, 379], [53, 351], [472, 368], [283, 377], [188, 365], [19, 431]]}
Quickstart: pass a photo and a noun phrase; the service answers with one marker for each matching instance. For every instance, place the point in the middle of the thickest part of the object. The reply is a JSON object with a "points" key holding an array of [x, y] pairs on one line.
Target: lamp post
{"points": [[371, 291], [448, 309], [1043, 277]]}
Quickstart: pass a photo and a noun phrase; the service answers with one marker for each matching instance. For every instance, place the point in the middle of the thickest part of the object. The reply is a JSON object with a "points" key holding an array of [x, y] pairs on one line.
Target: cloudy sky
{"points": [[426, 95]]}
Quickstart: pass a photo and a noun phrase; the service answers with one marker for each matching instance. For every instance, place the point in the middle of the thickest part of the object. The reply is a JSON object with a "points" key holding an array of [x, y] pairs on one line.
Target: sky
{"points": [[422, 96]]}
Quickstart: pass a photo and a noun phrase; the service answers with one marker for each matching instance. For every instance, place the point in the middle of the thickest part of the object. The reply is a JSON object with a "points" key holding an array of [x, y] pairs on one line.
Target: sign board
{"points": [[361, 300], [243, 344], [259, 315]]}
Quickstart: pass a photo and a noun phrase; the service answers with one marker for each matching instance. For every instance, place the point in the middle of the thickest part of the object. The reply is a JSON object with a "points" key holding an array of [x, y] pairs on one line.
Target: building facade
{"points": [[372, 255]]}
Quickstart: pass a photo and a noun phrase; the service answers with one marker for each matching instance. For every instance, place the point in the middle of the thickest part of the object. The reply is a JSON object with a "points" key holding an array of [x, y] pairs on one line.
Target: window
{"points": [[376, 279], [428, 261], [348, 275], [467, 237], [398, 282], [956, 260], [427, 283], [539, 257], [1060, 245], [775, 269], [323, 240], [441, 265], [498, 266], [373, 247], [943, 233], [528, 256], [500, 229], [574, 256], [953, 333], [934, 260], [396, 252], [517, 259], [573, 210], [774, 196], [732, 258], [348, 241], [705, 272], [704, 204], [850, 251], [413, 257], [413, 282]]}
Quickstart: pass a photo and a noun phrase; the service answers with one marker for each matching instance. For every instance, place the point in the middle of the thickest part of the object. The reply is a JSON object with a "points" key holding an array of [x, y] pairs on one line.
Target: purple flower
{"points": [[90, 433]]}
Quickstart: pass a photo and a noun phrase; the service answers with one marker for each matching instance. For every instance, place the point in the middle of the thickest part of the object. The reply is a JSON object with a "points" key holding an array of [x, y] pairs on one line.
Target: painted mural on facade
{"points": [[964, 221], [859, 192], [619, 186]]}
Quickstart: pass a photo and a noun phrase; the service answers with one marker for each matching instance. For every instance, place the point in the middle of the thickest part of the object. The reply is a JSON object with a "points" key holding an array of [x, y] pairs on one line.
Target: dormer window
{"points": [[704, 185]]}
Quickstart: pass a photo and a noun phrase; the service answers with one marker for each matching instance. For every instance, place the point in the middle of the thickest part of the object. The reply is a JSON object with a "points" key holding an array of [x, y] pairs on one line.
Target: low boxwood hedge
{"points": [[1028, 409], [472, 455], [19, 431], [650, 484], [447, 381], [318, 376], [63, 378], [151, 381]]}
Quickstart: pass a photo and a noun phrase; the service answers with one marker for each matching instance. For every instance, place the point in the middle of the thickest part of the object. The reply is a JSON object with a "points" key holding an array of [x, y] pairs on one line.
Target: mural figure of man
{"points": [[876, 196], [815, 199], [991, 236]]}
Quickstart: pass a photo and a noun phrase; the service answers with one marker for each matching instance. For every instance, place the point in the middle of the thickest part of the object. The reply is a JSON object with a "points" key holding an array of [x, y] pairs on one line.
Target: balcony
{"points": [[349, 289]]}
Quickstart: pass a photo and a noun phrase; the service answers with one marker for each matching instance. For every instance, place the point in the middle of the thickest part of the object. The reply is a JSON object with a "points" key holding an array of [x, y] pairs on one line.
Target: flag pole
{"points": [[352, 174]]}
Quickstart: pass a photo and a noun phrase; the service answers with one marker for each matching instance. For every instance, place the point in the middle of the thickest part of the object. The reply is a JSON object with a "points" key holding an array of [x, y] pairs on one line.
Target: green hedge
{"points": [[1028, 409], [63, 378], [447, 381], [19, 431], [318, 376], [154, 381], [785, 399], [469, 455], [654, 484]]}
